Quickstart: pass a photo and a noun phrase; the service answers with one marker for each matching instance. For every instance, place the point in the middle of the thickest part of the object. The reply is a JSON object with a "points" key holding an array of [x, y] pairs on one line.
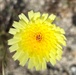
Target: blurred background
{"points": [[66, 18]]}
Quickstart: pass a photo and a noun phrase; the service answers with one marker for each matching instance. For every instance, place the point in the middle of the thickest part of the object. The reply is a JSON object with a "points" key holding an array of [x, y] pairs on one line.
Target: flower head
{"points": [[36, 40]]}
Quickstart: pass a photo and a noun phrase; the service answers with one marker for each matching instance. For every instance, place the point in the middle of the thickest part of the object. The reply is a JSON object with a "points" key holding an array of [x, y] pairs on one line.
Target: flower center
{"points": [[39, 37]]}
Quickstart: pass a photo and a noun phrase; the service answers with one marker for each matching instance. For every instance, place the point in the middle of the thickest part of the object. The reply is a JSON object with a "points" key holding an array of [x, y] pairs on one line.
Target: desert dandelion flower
{"points": [[36, 40]]}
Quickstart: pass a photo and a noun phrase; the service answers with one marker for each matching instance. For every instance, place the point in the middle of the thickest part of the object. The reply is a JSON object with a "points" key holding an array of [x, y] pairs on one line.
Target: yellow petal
{"points": [[53, 54], [58, 46], [62, 42], [17, 55], [30, 14], [23, 24], [37, 63], [44, 17], [13, 31], [38, 67], [53, 61], [23, 59], [63, 37], [62, 31], [30, 63], [60, 39], [37, 15], [13, 41], [43, 64], [59, 52], [58, 57], [17, 25], [13, 47], [51, 18], [22, 16]]}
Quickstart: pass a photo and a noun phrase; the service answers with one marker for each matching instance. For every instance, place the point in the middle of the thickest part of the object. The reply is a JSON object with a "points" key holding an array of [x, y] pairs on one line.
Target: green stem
{"points": [[3, 70]]}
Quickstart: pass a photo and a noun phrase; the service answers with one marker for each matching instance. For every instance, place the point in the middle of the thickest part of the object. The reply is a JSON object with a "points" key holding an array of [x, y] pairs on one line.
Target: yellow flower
{"points": [[36, 40]]}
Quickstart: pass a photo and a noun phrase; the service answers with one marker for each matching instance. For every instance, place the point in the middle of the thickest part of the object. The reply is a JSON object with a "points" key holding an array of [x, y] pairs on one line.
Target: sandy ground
{"points": [[66, 18]]}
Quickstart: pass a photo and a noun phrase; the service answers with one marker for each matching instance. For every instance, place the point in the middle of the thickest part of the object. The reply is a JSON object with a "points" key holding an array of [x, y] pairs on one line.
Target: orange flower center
{"points": [[38, 37]]}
